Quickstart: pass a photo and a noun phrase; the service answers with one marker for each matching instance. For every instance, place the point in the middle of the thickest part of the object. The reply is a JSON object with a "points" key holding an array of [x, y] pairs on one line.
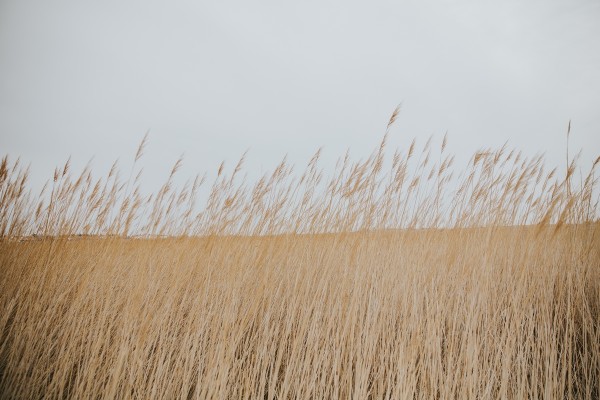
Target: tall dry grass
{"points": [[390, 277]]}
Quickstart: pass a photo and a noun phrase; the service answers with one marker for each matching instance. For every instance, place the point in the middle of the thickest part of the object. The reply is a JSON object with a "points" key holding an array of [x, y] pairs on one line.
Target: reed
{"points": [[389, 277]]}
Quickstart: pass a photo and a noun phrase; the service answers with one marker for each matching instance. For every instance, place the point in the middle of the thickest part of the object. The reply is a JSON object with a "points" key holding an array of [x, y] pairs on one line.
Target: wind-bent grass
{"points": [[390, 279]]}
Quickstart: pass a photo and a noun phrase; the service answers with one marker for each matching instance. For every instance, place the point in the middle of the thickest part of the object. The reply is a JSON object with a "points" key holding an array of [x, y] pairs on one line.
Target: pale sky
{"points": [[212, 79]]}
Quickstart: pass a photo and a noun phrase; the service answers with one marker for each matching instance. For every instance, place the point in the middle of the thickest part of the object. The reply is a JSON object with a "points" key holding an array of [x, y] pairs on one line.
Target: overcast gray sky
{"points": [[213, 79]]}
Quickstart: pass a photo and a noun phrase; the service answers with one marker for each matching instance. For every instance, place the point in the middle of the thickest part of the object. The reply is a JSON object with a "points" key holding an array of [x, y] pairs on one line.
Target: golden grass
{"points": [[389, 279]]}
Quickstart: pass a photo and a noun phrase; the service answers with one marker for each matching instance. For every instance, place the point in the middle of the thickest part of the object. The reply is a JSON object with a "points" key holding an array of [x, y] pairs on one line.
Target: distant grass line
{"points": [[388, 278]]}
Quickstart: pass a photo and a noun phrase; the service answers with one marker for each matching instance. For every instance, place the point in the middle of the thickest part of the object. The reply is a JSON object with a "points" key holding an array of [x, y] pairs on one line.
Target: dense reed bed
{"points": [[390, 277]]}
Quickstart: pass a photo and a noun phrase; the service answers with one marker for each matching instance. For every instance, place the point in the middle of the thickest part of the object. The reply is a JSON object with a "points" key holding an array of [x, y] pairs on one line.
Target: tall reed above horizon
{"points": [[413, 188]]}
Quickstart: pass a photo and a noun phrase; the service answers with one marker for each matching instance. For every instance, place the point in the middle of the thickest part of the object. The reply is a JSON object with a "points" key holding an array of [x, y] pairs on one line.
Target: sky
{"points": [[214, 79]]}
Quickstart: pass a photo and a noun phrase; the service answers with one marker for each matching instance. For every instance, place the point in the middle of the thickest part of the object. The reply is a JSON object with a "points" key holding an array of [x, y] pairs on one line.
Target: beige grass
{"points": [[380, 281]]}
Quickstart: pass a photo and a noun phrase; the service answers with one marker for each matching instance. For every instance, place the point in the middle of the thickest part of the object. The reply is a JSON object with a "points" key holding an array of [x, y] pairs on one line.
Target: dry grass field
{"points": [[389, 278]]}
